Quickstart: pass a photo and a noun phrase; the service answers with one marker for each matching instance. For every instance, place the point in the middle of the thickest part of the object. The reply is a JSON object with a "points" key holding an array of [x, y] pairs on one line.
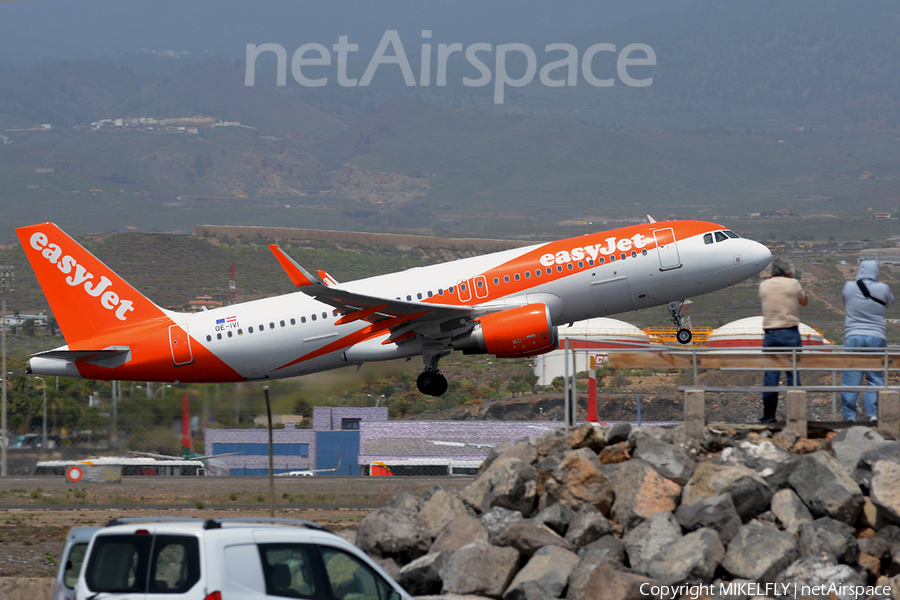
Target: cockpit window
{"points": [[707, 239], [731, 234], [720, 237]]}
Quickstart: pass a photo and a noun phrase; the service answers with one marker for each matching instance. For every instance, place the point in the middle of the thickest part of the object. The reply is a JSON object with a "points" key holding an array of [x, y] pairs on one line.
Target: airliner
{"points": [[506, 303]]}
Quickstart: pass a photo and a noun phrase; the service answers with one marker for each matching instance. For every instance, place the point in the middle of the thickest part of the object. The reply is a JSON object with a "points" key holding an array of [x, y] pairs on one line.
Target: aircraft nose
{"points": [[759, 255]]}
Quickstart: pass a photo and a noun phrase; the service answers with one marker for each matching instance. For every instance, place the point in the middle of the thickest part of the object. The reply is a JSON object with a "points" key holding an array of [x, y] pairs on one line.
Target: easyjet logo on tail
{"points": [[79, 276]]}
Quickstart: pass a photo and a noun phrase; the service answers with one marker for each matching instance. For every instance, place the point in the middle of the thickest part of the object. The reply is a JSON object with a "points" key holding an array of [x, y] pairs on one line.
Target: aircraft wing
{"points": [[355, 306], [311, 471], [172, 457]]}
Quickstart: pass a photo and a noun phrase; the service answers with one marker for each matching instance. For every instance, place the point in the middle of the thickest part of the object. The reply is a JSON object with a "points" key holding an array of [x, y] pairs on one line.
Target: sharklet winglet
{"points": [[299, 276]]}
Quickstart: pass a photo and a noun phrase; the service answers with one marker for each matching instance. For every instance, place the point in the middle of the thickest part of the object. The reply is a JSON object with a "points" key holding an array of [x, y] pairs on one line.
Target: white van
{"points": [[228, 559], [73, 553]]}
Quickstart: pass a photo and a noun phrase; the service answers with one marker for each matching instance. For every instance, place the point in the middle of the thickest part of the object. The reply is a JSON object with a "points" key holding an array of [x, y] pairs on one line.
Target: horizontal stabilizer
{"points": [[64, 363]]}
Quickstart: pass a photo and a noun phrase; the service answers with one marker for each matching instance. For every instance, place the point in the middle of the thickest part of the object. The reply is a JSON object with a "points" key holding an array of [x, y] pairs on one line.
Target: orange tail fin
{"points": [[86, 297]]}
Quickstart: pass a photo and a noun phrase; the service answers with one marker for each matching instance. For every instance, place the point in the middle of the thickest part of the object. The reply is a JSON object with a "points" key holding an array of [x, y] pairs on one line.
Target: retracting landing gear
{"points": [[430, 381], [682, 319]]}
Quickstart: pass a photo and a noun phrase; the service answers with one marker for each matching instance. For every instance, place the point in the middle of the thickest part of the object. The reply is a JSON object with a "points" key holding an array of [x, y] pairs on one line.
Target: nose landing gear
{"points": [[681, 316]]}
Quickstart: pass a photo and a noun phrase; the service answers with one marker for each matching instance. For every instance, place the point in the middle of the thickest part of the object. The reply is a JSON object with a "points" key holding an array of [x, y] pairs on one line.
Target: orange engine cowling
{"points": [[522, 331]]}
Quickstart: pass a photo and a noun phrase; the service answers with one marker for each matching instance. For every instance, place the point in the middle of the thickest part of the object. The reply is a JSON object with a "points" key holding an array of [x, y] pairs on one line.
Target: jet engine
{"points": [[513, 333]]}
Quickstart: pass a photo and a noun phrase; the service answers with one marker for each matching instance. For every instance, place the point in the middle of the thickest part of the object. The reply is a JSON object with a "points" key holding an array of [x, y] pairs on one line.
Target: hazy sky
{"points": [[40, 30]]}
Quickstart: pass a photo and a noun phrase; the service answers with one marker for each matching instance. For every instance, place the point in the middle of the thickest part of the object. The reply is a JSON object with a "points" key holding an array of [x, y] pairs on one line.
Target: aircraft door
{"points": [[180, 344], [667, 249], [464, 291], [481, 289]]}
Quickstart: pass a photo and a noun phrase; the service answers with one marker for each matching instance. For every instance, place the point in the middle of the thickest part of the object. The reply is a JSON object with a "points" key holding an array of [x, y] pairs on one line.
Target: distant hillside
{"points": [[216, 88]]}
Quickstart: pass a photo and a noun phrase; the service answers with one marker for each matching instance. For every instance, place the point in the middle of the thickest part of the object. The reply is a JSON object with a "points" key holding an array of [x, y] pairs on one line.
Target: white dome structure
{"points": [[749, 332], [589, 338]]}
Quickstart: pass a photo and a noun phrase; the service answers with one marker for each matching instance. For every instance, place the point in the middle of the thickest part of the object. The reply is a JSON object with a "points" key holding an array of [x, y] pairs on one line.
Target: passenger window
{"points": [[559, 268], [622, 256], [303, 319], [409, 298], [73, 566], [350, 578], [325, 315], [537, 272], [290, 571], [479, 284], [517, 277], [314, 317], [707, 238], [496, 281], [506, 279], [527, 274], [281, 323], [550, 270], [430, 295], [569, 266], [209, 338], [419, 295], [450, 289], [262, 327], [272, 325], [218, 336], [602, 260], [175, 567], [580, 264], [720, 237], [118, 563], [250, 329], [229, 334], [633, 254]]}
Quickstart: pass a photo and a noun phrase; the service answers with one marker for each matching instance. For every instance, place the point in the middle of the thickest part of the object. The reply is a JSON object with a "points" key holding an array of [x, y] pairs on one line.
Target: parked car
{"points": [[229, 559], [76, 545]]}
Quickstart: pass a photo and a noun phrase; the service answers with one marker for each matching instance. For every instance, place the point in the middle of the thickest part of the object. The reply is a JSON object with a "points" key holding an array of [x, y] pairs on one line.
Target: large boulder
{"points": [[848, 445], [608, 583], [748, 490], [889, 451], [715, 512], [544, 576], [668, 459], [884, 489], [462, 530], [441, 507], [640, 491], [557, 517], [818, 577], [480, 568], [692, 558], [790, 511], [528, 538], [759, 553], [497, 519], [831, 537], [389, 532], [826, 489], [588, 525], [649, 538], [509, 482], [578, 479], [423, 575]]}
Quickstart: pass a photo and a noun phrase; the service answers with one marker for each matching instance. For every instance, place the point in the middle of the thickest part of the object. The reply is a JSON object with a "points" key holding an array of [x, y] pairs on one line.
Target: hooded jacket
{"points": [[865, 316]]}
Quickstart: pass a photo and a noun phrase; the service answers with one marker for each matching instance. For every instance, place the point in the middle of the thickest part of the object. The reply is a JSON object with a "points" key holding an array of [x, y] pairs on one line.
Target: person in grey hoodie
{"points": [[865, 301]]}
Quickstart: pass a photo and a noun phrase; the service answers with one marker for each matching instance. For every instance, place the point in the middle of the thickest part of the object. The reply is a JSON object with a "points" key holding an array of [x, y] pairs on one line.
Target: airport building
{"points": [[363, 441]]}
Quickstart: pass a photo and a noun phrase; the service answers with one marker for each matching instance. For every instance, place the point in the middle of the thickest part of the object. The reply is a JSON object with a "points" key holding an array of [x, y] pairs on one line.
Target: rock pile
{"points": [[619, 513]]}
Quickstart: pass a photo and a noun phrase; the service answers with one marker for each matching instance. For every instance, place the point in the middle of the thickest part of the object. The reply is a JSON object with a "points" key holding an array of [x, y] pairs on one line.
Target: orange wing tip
{"points": [[298, 274]]}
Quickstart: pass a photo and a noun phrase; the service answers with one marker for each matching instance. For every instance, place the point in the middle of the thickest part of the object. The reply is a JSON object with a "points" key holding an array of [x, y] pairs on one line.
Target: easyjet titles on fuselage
{"points": [[67, 264], [612, 244]]}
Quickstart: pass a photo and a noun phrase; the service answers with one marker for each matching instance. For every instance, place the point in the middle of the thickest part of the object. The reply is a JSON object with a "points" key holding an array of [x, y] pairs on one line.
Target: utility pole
{"points": [[6, 284]]}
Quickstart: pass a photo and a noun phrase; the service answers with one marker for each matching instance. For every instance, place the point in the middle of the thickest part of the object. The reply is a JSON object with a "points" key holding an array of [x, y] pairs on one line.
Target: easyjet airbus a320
{"points": [[507, 303]]}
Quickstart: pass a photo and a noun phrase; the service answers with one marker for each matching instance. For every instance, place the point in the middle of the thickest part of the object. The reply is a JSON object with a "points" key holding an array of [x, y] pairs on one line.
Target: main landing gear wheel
{"points": [[684, 336], [432, 383]]}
